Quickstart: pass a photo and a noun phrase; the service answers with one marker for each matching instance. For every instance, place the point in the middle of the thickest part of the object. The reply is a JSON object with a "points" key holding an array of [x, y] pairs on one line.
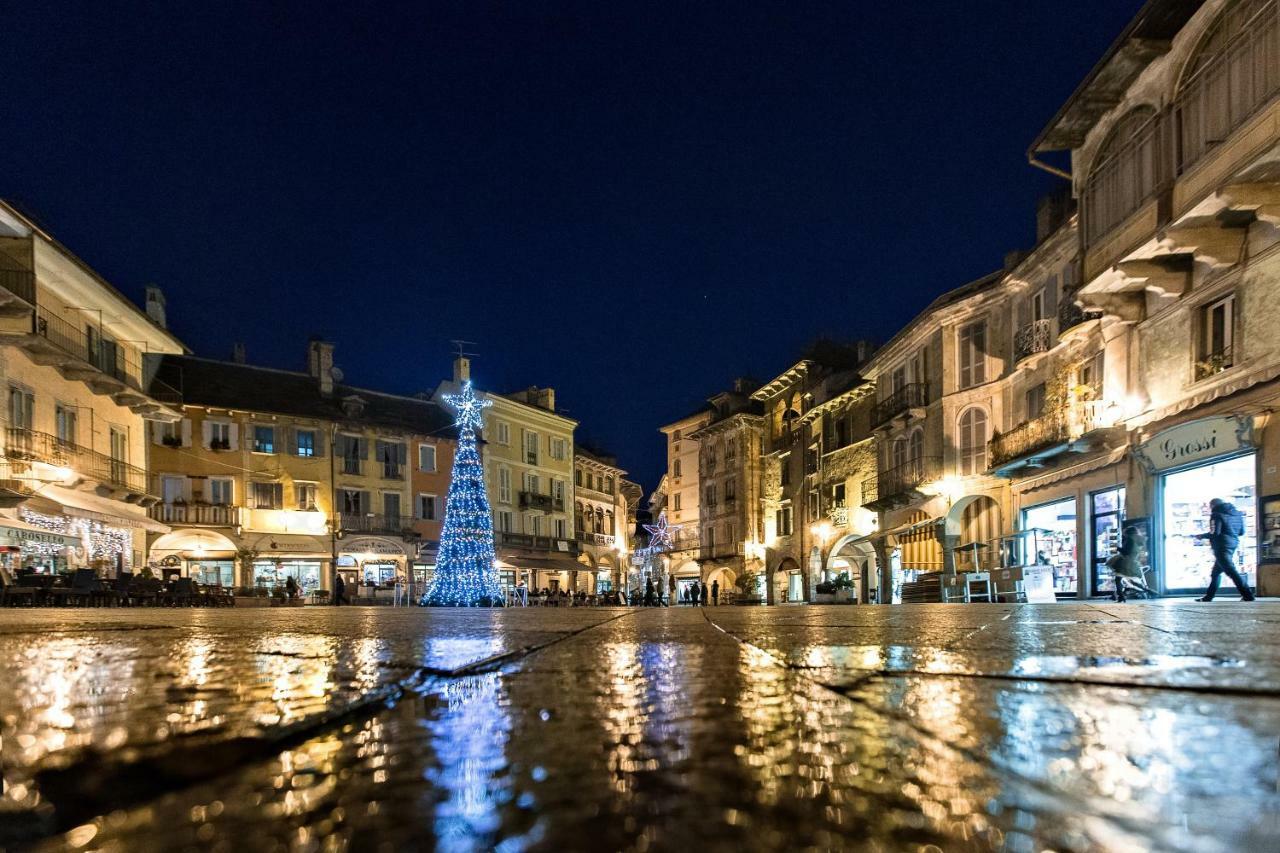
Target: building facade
{"points": [[73, 358], [682, 496], [600, 519], [275, 474]]}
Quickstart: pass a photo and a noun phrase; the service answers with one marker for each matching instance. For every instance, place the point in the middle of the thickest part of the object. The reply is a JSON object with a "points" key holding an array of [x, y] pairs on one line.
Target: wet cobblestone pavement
{"points": [[1064, 727]]}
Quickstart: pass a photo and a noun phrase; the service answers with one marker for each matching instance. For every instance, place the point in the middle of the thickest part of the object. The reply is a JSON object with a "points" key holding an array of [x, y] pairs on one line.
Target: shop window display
{"points": [[1054, 526], [1185, 497], [273, 573], [1106, 519]]}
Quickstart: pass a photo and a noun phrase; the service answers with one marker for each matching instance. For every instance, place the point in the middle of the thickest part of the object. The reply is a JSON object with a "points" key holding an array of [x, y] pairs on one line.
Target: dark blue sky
{"points": [[631, 202]]}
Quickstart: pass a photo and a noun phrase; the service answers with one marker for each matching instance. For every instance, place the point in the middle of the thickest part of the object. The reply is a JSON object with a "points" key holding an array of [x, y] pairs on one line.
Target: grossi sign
{"points": [[1196, 441]]}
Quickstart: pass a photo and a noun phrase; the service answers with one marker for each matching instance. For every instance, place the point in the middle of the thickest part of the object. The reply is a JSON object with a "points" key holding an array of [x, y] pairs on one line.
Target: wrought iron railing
{"points": [[213, 515], [1028, 437], [29, 445], [722, 550], [908, 476], [913, 395], [539, 501], [531, 542], [1214, 363], [1071, 315], [374, 523], [1035, 337]]}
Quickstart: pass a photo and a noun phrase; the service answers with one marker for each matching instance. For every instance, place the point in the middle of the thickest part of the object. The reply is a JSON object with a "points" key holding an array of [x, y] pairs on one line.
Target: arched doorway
{"points": [[972, 525], [727, 580], [788, 582], [855, 555]]}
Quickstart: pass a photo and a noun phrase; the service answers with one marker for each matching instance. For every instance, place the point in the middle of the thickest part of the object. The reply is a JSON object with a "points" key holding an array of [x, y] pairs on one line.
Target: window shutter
{"points": [[319, 442], [157, 432], [206, 434], [185, 432], [234, 432], [289, 438], [362, 447], [402, 453]]}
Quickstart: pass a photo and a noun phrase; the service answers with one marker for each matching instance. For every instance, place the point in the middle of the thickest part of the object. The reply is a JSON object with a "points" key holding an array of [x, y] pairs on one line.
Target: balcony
{"points": [[1071, 315], [540, 502], [371, 523], [392, 471], [20, 284], [900, 485], [685, 540], [29, 446], [530, 542], [1026, 439], [723, 551], [197, 514], [84, 355], [1033, 338], [602, 540], [910, 398], [870, 491]]}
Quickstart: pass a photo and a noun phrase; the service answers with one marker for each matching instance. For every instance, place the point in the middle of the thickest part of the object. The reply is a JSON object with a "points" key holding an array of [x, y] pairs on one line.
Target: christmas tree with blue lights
{"points": [[465, 575]]}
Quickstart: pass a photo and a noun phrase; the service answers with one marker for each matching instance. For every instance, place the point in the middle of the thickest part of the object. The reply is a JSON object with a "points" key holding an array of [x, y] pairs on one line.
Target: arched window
{"points": [[973, 442], [1234, 70], [898, 453], [1125, 172], [915, 449]]}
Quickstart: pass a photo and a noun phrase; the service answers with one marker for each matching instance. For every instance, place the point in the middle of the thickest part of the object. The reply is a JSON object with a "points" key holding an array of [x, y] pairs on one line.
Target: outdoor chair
{"points": [[11, 592], [977, 585], [181, 592], [145, 590], [120, 586]]}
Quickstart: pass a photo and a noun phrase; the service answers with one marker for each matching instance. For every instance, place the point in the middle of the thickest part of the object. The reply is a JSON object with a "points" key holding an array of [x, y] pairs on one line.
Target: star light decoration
{"points": [[660, 534], [465, 575]]}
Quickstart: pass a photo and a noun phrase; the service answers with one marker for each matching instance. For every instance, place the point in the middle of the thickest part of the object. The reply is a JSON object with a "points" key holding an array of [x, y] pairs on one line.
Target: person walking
{"points": [[648, 593], [1226, 526], [715, 593], [671, 590], [1126, 574], [693, 593], [339, 591], [706, 591]]}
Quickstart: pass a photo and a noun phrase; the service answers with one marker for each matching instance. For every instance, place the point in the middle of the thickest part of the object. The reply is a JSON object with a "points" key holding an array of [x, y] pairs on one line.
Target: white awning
{"points": [[116, 513]]}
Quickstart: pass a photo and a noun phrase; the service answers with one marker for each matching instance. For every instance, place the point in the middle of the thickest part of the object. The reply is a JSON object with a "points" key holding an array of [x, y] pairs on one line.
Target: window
{"points": [[812, 505], [559, 448], [353, 450], [391, 505], [972, 355], [533, 524], [304, 496], [504, 485], [675, 468], [353, 501], [561, 528], [837, 494], [730, 451], [711, 495], [1130, 164], [219, 435], [728, 533], [305, 442], [711, 537], [531, 483], [783, 520], [426, 457], [505, 521], [785, 473], [119, 448], [264, 439], [915, 446], [427, 507], [676, 502], [577, 476], [220, 491], [502, 432], [1090, 375], [898, 453], [1035, 401], [531, 447], [557, 493], [167, 433], [675, 436], [898, 379], [65, 418], [973, 442], [21, 404], [173, 489], [730, 488], [391, 458], [1037, 305], [1217, 337], [266, 495], [608, 485]]}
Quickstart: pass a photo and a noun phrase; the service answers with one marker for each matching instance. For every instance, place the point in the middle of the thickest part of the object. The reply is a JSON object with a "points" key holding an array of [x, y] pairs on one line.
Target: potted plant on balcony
{"points": [[219, 444], [171, 441]]}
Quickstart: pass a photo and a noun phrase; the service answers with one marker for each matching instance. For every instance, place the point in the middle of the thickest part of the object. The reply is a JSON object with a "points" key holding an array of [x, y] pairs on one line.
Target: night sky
{"points": [[632, 203]]}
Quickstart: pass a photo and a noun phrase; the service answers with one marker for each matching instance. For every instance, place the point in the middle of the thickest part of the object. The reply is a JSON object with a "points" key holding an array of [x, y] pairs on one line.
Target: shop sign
{"points": [[1037, 583], [370, 545], [16, 538], [1196, 441]]}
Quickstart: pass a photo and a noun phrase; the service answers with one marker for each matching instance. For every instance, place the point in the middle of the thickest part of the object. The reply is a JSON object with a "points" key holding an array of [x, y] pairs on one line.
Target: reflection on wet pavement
{"points": [[759, 728]]}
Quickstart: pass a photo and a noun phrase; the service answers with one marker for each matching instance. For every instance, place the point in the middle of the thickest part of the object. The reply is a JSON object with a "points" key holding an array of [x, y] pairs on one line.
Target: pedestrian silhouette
{"points": [[715, 592], [705, 593], [1226, 526]]}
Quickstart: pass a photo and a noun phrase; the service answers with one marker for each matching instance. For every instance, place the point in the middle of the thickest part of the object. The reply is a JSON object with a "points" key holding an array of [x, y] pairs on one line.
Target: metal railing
{"points": [[29, 445], [392, 471], [909, 476], [1129, 176], [1035, 337], [395, 525], [870, 491], [1027, 438], [1071, 315], [21, 283], [539, 501], [538, 543], [913, 395], [99, 352], [602, 539], [725, 549], [213, 515]]}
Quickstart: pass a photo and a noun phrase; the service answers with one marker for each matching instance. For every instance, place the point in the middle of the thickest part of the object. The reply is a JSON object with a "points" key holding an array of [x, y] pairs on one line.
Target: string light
{"points": [[465, 575]]}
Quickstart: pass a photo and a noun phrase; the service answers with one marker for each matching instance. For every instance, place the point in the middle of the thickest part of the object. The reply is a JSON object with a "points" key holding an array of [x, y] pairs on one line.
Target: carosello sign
{"points": [[1196, 441]]}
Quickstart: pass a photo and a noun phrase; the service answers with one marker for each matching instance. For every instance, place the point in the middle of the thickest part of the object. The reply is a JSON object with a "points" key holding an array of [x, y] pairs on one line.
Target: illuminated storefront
{"points": [[373, 562], [1053, 526]]}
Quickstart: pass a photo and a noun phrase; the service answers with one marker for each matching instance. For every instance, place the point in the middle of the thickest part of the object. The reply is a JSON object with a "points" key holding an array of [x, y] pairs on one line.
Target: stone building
{"points": [[600, 517], [79, 396], [681, 491], [1173, 142], [793, 478], [730, 517], [272, 474]]}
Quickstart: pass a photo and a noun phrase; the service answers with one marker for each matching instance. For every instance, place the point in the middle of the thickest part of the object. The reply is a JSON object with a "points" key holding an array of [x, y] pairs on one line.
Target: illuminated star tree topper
{"points": [[465, 575]]}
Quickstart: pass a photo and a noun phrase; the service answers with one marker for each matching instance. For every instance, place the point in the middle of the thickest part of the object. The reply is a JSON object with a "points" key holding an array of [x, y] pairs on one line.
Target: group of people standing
{"points": [[694, 593]]}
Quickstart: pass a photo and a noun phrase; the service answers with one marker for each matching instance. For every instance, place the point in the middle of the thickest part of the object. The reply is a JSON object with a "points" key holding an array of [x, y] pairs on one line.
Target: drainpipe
{"points": [[1052, 170]]}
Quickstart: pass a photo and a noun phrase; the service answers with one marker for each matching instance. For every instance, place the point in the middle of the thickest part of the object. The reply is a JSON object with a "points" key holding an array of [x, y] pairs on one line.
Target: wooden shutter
{"points": [[289, 439], [319, 443], [185, 432], [233, 432], [206, 433], [402, 453]]}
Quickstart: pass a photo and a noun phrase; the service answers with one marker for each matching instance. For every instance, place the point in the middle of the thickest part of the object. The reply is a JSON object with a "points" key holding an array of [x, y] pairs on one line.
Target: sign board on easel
{"points": [[1037, 583]]}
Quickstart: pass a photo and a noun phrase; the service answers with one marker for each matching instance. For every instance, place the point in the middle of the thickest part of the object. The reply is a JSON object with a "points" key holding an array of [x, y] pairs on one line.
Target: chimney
{"points": [[320, 364], [237, 352], [461, 369], [155, 306], [1052, 210], [546, 398]]}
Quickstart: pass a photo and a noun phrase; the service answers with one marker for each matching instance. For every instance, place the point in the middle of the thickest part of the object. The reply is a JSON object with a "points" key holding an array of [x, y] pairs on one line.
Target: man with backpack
{"points": [[1226, 526]]}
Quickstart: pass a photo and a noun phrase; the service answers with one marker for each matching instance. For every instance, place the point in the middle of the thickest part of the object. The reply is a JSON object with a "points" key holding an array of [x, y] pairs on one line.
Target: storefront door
{"points": [[1186, 563], [1054, 526], [1106, 515], [795, 587]]}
